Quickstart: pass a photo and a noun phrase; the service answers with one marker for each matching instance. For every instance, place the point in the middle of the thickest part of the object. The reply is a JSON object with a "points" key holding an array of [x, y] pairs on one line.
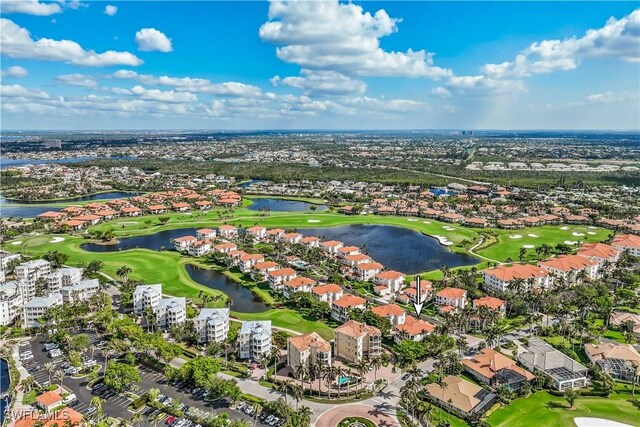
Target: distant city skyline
{"points": [[320, 65]]}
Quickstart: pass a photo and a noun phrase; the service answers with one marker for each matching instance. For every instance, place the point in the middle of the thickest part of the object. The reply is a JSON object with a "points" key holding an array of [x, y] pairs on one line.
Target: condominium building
{"points": [[452, 297], [6, 258], [63, 277], [33, 270], [329, 292], [627, 242], [34, 309], [341, 308], [308, 349], [212, 324], [81, 291], [571, 268], [503, 278], [254, 339], [146, 296], [170, 312], [355, 341], [10, 302]]}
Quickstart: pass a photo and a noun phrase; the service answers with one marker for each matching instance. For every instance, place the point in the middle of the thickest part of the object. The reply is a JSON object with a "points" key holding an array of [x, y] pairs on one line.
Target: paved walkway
{"points": [[379, 416]]}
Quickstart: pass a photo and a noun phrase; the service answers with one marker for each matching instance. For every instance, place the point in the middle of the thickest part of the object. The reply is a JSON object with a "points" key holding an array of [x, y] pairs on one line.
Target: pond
{"points": [[154, 242], [396, 248], [31, 209], [282, 205], [244, 300]]}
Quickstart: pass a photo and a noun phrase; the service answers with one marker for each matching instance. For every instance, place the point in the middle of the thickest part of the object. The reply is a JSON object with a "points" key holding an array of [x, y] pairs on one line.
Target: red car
{"points": [[170, 420]]}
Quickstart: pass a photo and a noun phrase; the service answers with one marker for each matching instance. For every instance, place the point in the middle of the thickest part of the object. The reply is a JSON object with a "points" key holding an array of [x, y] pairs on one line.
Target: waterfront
{"points": [[282, 205], [31, 209], [4, 386]]}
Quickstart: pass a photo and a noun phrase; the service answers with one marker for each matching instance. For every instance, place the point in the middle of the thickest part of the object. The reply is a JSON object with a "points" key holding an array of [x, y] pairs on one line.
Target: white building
{"points": [[571, 268], [33, 270], [212, 324], [146, 296], [34, 309], [10, 302], [81, 291], [63, 277], [6, 258], [170, 312], [503, 278], [254, 339]]}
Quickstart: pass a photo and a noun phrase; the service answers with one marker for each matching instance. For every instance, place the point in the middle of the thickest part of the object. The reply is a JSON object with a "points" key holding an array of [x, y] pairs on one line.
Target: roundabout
{"points": [[357, 415]]}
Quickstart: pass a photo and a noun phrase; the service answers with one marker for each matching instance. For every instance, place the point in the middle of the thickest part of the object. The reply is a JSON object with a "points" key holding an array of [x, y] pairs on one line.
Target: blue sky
{"points": [[323, 64]]}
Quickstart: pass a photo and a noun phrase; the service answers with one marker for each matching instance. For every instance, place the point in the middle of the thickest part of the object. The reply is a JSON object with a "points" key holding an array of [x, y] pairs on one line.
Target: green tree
{"points": [[120, 375]]}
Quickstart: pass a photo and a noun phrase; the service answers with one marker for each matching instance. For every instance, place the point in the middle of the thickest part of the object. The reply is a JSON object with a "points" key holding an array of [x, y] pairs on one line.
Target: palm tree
{"points": [[49, 368], [304, 415], [96, 402], [300, 372], [362, 367], [123, 272], [284, 388], [298, 393], [137, 418], [376, 362], [59, 375], [329, 377]]}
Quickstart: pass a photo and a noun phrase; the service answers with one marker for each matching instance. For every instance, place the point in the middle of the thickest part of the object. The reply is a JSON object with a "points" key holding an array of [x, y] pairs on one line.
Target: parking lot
{"points": [[113, 404]]}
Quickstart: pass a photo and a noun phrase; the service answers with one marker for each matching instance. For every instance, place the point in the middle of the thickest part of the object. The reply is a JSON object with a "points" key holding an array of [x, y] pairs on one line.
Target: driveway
{"points": [[380, 417]]}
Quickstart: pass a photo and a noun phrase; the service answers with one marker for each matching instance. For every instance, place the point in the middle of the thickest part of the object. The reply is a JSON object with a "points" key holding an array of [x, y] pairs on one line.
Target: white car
{"points": [[90, 363]]}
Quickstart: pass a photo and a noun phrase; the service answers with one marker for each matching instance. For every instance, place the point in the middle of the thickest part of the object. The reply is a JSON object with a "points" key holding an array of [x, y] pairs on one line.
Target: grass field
{"points": [[543, 409]]}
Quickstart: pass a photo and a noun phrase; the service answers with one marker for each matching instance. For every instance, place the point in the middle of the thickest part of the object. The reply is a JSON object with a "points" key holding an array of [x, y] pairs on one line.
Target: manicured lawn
{"points": [[538, 410], [289, 319]]}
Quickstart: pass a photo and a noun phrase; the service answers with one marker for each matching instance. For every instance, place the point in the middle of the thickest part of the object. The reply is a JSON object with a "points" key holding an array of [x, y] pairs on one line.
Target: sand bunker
{"points": [[443, 240], [16, 243], [593, 233], [426, 222], [57, 240], [533, 235], [570, 242], [446, 227], [313, 220], [128, 222], [564, 228], [577, 234], [515, 236], [592, 227], [528, 246], [411, 219], [597, 422]]}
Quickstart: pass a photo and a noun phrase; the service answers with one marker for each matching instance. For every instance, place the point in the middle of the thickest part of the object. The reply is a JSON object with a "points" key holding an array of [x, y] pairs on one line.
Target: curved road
{"points": [[332, 417]]}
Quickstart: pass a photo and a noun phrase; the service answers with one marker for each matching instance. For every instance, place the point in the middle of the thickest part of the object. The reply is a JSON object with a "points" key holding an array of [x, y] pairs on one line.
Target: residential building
{"points": [[600, 253], [298, 284], [63, 277], [33, 270], [413, 329], [394, 313], [565, 372], [329, 292], [355, 341], [247, 261], [331, 246], [308, 349], [227, 231], [6, 258], [392, 280], [170, 312], [81, 291], [146, 296], [35, 308], [10, 302], [183, 243], [257, 233], [503, 278], [570, 268], [620, 318], [225, 248], [461, 397], [452, 297], [348, 250], [206, 234], [48, 401], [199, 248], [278, 277], [627, 242], [340, 308], [212, 324], [254, 339], [367, 270], [262, 269], [491, 303], [621, 361], [496, 369], [291, 238]]}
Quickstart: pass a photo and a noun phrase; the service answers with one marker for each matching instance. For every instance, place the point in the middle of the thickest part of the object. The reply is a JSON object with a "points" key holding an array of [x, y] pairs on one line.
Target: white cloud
{"points": [[21, 91], [618, 38], [16, 42], [195, 85], [75, 79], [441, 92], [322, 83], [15, 71], [30, 7], [110, 10], [483, 85], [150, 39], [341, 37], [163, 96]]}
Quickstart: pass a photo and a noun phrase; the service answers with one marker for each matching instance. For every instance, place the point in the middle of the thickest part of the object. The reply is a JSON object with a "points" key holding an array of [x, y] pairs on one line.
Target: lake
{"points": [[18, 208], [281, 205], [396, 248], [244, 300], [4, 386], [7, 163]]}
